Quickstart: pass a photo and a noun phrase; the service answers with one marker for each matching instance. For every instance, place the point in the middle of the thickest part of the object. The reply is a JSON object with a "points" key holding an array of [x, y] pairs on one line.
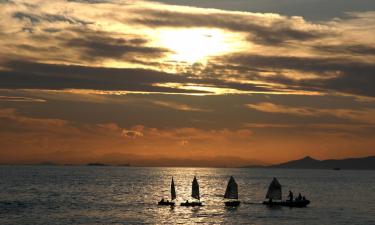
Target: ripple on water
{"points": [[120, 195]]}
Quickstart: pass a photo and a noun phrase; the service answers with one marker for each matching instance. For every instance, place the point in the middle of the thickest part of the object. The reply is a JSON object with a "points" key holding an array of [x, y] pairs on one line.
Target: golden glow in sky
{"points": [[196, 45], [148, 83]]}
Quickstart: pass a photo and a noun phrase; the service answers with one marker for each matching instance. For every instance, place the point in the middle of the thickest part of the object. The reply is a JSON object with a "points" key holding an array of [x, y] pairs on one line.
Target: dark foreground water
{"points": [[120, 195]]}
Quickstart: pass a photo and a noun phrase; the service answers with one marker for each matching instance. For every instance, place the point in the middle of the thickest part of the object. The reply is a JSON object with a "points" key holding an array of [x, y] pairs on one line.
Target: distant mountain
{"points": [[367, 163]]}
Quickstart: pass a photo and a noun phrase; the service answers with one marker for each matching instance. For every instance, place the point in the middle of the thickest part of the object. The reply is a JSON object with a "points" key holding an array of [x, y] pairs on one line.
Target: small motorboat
{"points": [[274, 193], [195, 194], [232, 193], [166, 203], [173, 197], [192, 204], [297, 204]]}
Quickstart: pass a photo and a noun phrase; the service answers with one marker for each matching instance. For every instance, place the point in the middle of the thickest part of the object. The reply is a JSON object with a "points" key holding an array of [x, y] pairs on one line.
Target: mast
{"points": [[232, 189], [195, 189], [173, 190]]}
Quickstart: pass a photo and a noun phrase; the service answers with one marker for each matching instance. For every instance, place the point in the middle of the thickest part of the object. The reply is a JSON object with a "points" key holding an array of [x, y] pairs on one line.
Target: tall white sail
{"points": [[232, 189], [173, 190], [274, 190], [195, 189]]}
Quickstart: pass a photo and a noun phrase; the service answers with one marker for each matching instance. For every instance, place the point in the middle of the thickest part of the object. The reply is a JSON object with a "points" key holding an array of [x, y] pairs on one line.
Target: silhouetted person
{"points": [[299, 198], [290, 196], [303, 198], [270, 200], [162, 200]]}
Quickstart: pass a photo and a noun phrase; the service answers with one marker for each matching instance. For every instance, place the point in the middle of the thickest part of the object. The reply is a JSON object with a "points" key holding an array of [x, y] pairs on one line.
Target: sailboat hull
{"points": [[232, 203], [298, 204], [191, 204]]}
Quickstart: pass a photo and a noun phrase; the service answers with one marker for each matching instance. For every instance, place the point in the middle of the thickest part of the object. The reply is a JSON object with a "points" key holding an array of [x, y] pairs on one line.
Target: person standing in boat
{"points": [[299, 198], [290, 196]]}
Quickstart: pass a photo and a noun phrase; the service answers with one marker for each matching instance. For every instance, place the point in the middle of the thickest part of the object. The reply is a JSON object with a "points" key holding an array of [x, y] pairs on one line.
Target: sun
{"points": [[195, 45]]}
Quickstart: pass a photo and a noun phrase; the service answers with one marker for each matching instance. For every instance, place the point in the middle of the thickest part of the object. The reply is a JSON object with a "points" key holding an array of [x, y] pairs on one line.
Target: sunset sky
{"points": [[186, 83]]}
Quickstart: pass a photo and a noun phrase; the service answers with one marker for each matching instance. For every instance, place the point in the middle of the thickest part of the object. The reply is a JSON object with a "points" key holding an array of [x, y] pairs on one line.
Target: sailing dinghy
{"points": [[274, 193], [173, 196], [231, 193], [194, 194]]}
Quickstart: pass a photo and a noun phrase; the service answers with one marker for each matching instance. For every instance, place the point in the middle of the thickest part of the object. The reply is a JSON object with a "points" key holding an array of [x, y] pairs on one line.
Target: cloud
{"points": [[11, 121], [273, 54], [19, 99], [366, 116], [329, 74], [269, 125], [93, 45], [51, 18], [136, 132], [267, 29], [91, 1], [360, 50], [27, 139], [315, 127], [31, 139], [107, 57], [17, 75], [178, 106], [273, 108], [51, 76], [6, 2]]}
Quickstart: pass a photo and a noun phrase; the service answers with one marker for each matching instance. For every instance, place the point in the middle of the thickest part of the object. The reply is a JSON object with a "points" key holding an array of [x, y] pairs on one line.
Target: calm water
{"points": [[120, 195]]}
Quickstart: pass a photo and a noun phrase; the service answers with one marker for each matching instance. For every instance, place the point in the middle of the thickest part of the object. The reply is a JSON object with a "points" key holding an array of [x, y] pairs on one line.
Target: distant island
{"points": [[366, 163], [124, 165], [103, 164], [96, 164], [47, 163]]}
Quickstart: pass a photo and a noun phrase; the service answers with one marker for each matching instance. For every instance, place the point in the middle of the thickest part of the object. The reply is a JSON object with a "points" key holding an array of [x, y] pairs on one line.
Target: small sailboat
{"points": [[275, 193], [194, 194], [274, 190], [232, 193], [173, 196]]}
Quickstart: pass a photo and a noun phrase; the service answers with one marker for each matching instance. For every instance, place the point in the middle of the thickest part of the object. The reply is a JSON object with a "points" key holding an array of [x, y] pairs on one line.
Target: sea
{"points": [[129, 195]]}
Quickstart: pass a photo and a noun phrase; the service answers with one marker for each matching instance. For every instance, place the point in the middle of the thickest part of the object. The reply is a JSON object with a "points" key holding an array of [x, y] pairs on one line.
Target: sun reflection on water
{"points": [[129, 195]]}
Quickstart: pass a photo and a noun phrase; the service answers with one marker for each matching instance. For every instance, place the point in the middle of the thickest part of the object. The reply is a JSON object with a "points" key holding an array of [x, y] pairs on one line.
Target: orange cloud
{"points": [[32, 140], [364, 115], [178, 106]]}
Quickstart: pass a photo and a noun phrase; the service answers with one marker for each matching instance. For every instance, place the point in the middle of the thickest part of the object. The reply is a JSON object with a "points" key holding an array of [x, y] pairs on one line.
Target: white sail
{"points": [[173, 190], [232, 189], [274, 190], [195, 189]]}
